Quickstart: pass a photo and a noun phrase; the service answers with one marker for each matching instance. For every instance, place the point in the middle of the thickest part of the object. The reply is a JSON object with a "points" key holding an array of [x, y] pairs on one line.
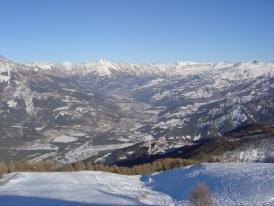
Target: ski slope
{"points": [[229, 183]]}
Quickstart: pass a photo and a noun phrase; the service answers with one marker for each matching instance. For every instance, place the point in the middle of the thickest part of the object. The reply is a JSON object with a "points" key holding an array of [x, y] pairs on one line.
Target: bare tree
{"points": [[79, 165], [3, 168], [200, 195]]}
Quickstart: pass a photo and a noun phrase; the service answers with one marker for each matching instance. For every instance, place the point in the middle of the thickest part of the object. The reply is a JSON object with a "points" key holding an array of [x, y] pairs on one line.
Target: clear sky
{"points": [[137, 30]]}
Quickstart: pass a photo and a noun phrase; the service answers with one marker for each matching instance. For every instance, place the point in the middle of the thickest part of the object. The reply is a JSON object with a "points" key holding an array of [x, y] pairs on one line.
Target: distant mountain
{"points": [[225, 70], [67, 111]]}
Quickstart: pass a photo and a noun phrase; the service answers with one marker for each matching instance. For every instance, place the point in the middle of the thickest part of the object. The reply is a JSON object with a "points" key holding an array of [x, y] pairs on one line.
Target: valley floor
{"points": [[229, 184]]}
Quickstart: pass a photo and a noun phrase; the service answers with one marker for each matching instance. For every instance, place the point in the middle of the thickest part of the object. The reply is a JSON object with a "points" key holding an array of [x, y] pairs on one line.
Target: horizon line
{"points": [[129, 62]]}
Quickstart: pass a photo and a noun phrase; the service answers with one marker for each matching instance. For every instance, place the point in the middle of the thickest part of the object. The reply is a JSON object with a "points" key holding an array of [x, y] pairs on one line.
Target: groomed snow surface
{"points": [[230, 184]]}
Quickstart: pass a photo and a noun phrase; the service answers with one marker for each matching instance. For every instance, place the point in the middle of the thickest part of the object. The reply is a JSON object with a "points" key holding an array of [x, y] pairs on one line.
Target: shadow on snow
{"points": [[13, 200]]}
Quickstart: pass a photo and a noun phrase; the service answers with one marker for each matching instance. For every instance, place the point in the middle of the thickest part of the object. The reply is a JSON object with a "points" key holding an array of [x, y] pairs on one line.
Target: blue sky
{"points": [[137, 30]]}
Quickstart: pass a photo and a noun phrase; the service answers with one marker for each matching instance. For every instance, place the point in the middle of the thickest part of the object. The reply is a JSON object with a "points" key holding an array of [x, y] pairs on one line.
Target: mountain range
{"points": [[95, 109]]}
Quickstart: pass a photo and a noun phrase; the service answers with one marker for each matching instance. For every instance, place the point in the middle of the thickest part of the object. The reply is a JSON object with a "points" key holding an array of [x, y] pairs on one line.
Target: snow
{"points": [[148, 137], [169, 124], [199, 93], [102, 159], [238, 117], [83, 187], [43, 65], [38, 146], [84, 151], [42, 157], [68, 65], [153, 82], [197, 137], [159, 96], [61, 108], [78, 134], [25, 93], [229, 183], [4, 78], [11, 103], [64, 139], [186, 63], [250, 154], [224, 70]]}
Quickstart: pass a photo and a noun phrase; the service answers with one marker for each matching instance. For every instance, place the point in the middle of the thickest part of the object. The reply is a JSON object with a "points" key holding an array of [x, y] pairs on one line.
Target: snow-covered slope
{"points": [[230, 184]]}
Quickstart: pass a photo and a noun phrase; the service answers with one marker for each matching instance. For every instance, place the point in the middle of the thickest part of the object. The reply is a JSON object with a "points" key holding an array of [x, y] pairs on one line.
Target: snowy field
{"points": [[230, 184]]}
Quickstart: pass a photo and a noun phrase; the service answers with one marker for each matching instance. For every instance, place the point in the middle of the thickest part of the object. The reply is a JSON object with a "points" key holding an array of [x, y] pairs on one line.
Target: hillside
{"points": [[249, 143], [230, 184]]}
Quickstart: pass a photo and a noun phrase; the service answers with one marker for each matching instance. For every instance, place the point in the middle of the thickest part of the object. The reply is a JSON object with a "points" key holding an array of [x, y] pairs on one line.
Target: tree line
{"points": [[50, 166]]}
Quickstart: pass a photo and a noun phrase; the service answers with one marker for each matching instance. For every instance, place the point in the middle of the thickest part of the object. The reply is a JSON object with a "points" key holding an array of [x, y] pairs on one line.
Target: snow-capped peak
{"points": [[43, 65], [102, 67], [68, 65], [186, 63]]}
